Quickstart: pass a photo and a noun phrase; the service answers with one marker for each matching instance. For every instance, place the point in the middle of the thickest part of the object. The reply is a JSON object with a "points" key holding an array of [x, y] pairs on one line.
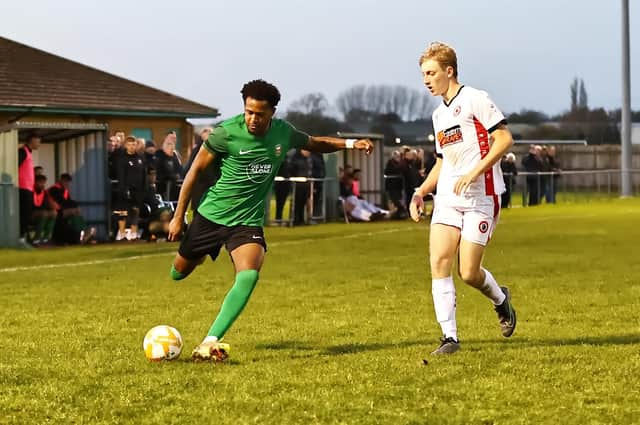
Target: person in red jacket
{"points": [[26, 181]]}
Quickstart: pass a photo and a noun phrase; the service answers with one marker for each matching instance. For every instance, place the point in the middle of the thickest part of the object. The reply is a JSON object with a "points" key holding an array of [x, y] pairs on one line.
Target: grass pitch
{"points": [[336, 330]]}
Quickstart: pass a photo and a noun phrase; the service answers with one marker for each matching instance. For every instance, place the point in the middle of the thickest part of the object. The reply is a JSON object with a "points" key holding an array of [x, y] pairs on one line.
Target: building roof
{"points": [[31, 79]]}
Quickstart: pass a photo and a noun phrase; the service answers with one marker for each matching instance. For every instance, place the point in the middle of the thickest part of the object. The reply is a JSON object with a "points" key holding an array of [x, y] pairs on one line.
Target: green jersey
{"points": [[248, 166]]}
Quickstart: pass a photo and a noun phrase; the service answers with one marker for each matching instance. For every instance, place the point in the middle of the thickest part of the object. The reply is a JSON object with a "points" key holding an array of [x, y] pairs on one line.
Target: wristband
{"points": [[348, 144]]}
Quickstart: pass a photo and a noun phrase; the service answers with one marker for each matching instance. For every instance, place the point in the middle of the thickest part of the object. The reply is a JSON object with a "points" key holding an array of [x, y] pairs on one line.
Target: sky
{"points": [[524, 53]]}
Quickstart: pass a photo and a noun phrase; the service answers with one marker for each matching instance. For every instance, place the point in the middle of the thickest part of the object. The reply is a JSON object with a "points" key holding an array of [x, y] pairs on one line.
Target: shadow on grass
{"points": [[337, 350], [559, 342]]}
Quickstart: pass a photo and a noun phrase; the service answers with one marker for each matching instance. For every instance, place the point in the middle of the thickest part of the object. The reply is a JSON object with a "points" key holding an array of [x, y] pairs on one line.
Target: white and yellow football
{"points": [[162, 343]]}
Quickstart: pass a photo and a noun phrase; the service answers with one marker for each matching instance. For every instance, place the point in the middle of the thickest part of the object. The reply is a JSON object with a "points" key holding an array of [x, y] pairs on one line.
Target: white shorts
{"points": [[475, 217]]}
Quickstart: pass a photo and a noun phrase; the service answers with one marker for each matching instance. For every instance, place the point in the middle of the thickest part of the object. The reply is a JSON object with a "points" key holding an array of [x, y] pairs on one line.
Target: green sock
{"points": [[48, 227], [39, 235], [176, 275], [234, 302], [77, 223]]}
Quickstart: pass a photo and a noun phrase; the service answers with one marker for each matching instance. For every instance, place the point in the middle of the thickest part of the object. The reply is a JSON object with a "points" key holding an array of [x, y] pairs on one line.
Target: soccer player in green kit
{"points": [[249, 149]]}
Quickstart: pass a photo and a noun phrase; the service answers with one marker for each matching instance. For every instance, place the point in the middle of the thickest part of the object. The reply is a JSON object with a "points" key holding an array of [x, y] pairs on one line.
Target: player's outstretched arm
{"points": [[202, 161], [332, 144], [428, 186]]}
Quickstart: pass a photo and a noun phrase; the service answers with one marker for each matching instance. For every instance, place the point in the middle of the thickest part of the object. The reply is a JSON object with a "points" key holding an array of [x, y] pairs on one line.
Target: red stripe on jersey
{"points": [[496, 214], [483, 142]]}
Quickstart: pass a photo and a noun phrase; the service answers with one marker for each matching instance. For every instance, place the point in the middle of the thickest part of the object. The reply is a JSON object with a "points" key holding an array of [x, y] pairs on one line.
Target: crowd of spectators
{"points": [[543, 160], [405, 170], [145, 184]]}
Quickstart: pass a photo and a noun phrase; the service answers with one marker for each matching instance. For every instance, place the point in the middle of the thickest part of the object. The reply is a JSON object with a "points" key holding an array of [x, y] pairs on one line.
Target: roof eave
{"points": [[109, 112]]}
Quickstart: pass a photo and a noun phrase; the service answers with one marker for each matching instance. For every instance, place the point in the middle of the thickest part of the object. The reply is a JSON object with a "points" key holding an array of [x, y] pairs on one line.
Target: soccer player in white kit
{"points": [[471, 138]]}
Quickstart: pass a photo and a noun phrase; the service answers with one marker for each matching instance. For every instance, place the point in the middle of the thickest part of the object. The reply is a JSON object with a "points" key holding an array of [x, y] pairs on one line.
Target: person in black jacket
{"points": [[532, 163], [318, 171], [130, 173], [282, 189], [300, 166], [207, 178], [509, 173], [394, 185], [169, 169]]}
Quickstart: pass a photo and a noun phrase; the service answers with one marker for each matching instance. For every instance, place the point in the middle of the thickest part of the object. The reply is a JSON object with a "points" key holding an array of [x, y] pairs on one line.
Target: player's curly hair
{"points": [[261, 90], [442, 53]]}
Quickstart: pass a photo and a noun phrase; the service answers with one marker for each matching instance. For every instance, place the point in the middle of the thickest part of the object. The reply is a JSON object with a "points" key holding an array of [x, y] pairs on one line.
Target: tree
{"points": [[579, 110], [317, 125], [573, 89], [368, 102], [309, 114], [311, 104], [582, 96], [528, 116]]}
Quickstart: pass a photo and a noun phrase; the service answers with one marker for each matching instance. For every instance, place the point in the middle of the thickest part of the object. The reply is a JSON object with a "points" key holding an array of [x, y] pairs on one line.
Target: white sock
{"points": [[444, 302], [491, 289], [209, 339]]}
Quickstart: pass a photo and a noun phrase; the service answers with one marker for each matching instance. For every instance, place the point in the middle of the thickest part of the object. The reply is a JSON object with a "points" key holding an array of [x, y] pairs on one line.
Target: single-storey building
{"points": [[75, 108]]}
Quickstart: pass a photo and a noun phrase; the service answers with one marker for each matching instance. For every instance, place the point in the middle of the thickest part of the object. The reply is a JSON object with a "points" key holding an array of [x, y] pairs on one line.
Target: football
{"points": [[162, 343]]}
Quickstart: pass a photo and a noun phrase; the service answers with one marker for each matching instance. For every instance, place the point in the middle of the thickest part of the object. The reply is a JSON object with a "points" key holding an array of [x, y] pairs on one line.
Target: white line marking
{"points": [[293, 242], [137, 257]]}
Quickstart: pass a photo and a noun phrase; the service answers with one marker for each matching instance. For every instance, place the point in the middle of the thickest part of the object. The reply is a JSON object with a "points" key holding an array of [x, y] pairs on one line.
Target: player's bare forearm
{"points": [[502, 142], [202, 161], [324, 144], [429, 184]]}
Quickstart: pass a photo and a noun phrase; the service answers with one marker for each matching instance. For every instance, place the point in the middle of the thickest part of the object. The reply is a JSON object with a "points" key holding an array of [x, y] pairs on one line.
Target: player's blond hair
{"points": [[442, 53]]}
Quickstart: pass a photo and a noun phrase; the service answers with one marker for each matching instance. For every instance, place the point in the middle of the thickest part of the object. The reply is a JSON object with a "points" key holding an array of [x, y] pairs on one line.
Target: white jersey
{"points": [[462, 130]]}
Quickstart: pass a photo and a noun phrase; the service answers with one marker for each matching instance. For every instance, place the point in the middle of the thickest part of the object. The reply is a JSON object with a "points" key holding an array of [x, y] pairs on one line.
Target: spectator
{"points": [[70, 225], [130, 172], [394, 185], [554, 165], [509, 173], [318, 171], [26, 182], [114, 149], [141, 146], [545, 179], [149, 154], [300, 166], [429, 162], [43, 216], [282, 189], [532, 163], [412, 178], [359, 209], [158, 213], [169, 169], [37, 170], [207, 178]]}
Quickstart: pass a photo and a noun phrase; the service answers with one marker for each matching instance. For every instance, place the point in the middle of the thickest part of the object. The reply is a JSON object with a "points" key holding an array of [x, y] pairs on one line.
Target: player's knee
{"points": [[440, 265], [469, 275], [176, 274]]}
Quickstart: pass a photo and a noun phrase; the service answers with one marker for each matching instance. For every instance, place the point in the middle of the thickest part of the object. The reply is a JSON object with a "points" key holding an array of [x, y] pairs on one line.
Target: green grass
{"points": [[336, 330]]}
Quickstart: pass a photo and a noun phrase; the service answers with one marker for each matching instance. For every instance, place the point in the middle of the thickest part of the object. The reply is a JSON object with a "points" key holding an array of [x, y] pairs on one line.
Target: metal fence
{"points": [[567, 186], [315, 203]]}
